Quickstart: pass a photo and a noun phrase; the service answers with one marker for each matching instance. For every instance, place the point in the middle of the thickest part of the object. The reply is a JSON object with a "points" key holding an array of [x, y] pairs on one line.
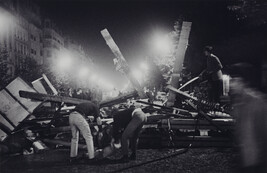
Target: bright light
{"points": [[138, 75], [144, 66], [7, 22], [162, 43], [104, 84], [64, 60], [83, 72], [93, 78], [125, 86]]}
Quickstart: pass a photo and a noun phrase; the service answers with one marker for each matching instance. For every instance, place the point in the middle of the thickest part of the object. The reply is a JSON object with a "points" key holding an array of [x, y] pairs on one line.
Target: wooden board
{"points": [[13, 108], [121, 64], [74, 101], [179, 59]]}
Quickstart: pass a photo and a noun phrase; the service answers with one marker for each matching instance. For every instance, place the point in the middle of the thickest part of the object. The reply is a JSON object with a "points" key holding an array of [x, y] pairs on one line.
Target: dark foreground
{"points": [[204, 160]]}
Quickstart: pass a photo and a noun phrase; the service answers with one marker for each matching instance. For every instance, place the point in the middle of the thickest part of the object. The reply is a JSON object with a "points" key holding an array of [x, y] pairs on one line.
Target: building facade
{"points": [[53, 41], [22, 38], [25, 35]]}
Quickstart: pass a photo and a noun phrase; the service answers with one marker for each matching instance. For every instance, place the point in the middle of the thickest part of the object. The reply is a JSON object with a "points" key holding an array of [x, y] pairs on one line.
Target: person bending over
{"points": [[129, 122], [78, 123]]}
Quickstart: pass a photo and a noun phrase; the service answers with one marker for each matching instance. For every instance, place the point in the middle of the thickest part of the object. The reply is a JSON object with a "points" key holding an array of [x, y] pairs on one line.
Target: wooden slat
{"points": [[201, 124], [124, 65], [74, 101], [179, 59]]}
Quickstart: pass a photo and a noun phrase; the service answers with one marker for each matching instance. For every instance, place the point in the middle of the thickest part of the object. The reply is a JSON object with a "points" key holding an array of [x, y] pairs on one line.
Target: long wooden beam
{"points": [[51, 98], [74, 101], [179, 59], [122, 65]]}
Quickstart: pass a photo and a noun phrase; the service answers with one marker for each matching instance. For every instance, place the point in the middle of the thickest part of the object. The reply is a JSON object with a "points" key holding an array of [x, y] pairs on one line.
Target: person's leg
{"points": [[86, 133], [134, 141], [217, 90], [129, 132], [75, 137]]}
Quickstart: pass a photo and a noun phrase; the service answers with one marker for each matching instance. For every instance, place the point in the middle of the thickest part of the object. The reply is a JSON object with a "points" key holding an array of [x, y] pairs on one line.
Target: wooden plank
{"points": [[165, 107], [50, 85], [121, 64], [118, 99], [189, 82], [13, 111], [74, 101], [51, 98], [179, 59], [13, 90], [223, 124], [64, 143]]}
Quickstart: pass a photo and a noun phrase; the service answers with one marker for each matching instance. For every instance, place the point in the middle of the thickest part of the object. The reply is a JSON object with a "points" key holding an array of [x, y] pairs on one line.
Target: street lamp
{"points": [[138, 75], [144, 66], [7, 21], [162, 43], [83, 72], [64, 60]]}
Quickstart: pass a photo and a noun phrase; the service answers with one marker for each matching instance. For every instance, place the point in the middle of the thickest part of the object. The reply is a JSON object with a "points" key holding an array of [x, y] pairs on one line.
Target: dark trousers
{"points": [[131, 133], [216, 90]]}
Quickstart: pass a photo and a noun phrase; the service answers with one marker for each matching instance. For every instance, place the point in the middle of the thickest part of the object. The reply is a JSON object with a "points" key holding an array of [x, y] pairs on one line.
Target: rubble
{"points": [[34, 120]]}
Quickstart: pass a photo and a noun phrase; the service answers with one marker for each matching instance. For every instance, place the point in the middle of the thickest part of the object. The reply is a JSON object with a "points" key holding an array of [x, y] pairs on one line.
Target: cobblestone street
{"points": [[208, 160]]}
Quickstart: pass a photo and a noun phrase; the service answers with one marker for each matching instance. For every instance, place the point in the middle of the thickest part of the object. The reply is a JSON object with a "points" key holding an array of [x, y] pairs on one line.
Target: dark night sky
{"points": [[132, 23]]}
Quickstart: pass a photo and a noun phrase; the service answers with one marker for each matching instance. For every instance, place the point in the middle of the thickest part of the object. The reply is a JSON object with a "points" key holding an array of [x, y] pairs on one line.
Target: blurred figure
{"points": [[79, 94], [94, 94], [250, 111], [150, 95], [213, 73], [88, 94], [61, 92], [70, 92]]}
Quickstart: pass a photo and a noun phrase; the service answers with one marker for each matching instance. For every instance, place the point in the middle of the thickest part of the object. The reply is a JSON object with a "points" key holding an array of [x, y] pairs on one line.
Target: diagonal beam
{"points": [[121, 64]]}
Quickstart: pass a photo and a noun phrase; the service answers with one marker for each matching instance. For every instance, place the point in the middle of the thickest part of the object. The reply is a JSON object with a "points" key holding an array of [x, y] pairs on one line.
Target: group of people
{"points": [[249, 110], [89, 94], [126, 128]]}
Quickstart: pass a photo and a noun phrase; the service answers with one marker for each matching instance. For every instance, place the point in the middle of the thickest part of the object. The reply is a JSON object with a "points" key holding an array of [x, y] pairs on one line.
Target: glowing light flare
{"points": [[93, 78], [125, 86], [64, 60], [144, 66], [105, 84], [162, 43], [83, 72], [7, 22], [138, 75]]}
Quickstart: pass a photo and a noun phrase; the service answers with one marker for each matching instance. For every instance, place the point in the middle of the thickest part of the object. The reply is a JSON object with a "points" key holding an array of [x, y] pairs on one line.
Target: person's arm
{"points": [[203, 75], [99, 124]]}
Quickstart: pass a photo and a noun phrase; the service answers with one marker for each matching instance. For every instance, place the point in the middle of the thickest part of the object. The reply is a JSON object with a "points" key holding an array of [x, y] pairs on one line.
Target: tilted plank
{"points": [[179, 59], [74, 101], [121, 64]]}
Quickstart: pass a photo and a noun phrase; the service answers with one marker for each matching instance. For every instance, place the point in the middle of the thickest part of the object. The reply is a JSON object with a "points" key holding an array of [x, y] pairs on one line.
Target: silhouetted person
{"points": [[213, 73], [78, 123]]}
